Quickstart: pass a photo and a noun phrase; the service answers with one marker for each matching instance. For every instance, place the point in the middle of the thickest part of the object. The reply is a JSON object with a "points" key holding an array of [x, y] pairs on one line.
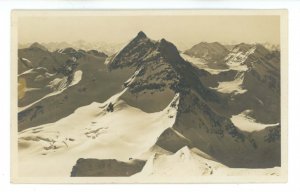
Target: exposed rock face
{"points": [[106, 168]]}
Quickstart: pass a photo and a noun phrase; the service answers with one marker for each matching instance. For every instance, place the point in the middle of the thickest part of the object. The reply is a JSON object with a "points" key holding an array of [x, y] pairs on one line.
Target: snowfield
{"points": [[232, 87], [201, 64], [91, 132], [51, 150]]}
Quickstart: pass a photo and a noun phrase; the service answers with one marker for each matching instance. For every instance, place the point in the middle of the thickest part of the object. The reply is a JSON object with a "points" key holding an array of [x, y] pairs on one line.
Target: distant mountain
{"points": [[212, 53], [38, 46], [229, 47], [53, 46], [38, 56], [271, 47], [97, 53], [107, 48]]}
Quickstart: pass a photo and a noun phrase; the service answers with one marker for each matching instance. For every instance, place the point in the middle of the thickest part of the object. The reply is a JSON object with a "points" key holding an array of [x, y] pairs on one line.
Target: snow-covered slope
{"points": [[92, 131], [184, 162]]}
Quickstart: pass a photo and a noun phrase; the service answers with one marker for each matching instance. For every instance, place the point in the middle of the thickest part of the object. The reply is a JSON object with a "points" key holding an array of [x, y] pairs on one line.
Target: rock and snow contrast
{"points": [[148, 111]]}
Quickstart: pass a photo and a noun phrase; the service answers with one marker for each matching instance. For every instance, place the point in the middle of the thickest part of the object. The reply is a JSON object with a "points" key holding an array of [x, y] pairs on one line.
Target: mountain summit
{"points": [[141, 34], [38, 45], [213, 53]]}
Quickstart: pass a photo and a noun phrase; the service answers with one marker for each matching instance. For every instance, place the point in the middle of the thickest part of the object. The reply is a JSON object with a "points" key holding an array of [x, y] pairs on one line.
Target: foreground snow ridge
{"points": [[193, 163], [183, 162]]}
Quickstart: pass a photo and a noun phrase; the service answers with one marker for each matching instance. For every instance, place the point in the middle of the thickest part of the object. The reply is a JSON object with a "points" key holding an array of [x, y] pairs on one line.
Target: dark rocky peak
{"points": [[141, 34], [216, 43], [133, 53], [187, 74], [261, 49], [213, 45], [81, 50], [139, 38], [146, 52], [37, 45], [73, 53], [169, 51], [256, 52]]}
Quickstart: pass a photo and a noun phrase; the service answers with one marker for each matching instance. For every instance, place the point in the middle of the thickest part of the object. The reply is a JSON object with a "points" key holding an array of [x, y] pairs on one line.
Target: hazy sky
{"points": [[183, 31]]}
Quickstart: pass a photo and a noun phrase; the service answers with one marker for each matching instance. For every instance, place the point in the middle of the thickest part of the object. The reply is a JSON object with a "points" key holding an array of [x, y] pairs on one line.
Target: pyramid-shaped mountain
{"points": [[160, 74]]}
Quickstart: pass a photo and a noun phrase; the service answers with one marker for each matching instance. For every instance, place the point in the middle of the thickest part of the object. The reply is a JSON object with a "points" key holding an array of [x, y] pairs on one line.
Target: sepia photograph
{"points": [[141, 96]]}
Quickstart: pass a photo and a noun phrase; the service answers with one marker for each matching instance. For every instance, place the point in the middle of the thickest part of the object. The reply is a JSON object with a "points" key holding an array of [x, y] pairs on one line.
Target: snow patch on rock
{"points": [[26, 60], [246, 123], [77, 78], [232, 87], [202, 64]]}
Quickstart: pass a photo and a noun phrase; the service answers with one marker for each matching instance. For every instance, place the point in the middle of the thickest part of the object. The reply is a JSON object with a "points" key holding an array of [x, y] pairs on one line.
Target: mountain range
{"points": [[107, 48], [149, 109]]}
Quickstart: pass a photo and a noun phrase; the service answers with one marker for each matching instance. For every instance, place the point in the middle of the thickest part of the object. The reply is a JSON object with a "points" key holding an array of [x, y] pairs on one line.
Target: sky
{"points": [[184, 30]]}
